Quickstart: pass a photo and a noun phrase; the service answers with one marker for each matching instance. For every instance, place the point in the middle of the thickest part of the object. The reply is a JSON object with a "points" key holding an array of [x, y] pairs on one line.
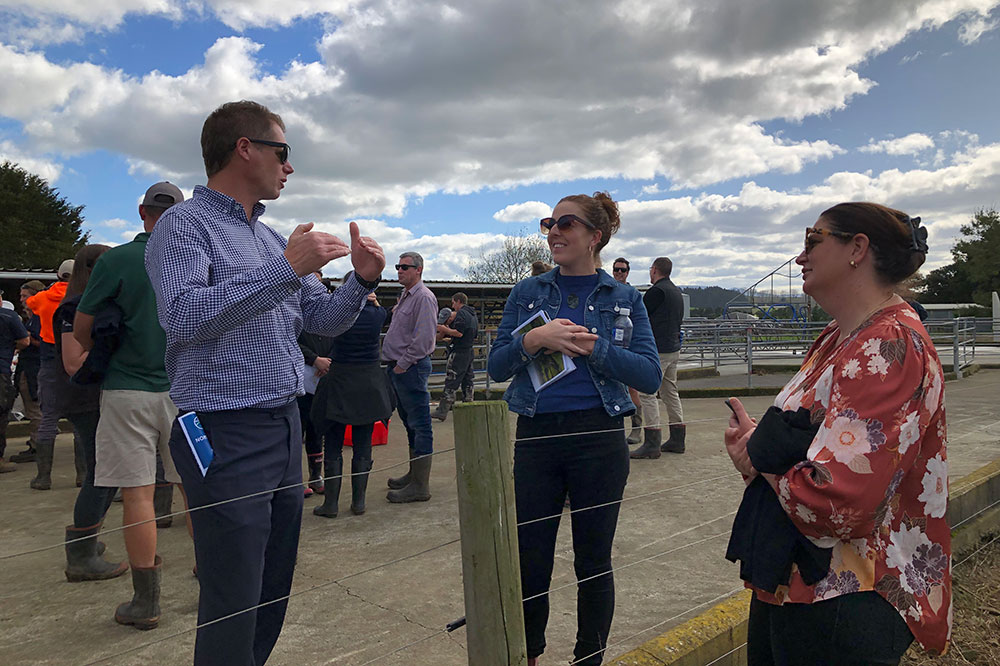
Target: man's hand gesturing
{"points": [[308, 251], [366, 255]]}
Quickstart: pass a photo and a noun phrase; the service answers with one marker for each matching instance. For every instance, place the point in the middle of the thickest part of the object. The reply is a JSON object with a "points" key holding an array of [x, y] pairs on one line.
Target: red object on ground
{"points": [[380, 434]]}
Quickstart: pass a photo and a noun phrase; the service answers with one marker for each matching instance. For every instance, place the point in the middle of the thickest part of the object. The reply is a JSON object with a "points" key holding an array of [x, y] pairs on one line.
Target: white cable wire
{"points": [[273, 601], [212, 505], [658, 624]]}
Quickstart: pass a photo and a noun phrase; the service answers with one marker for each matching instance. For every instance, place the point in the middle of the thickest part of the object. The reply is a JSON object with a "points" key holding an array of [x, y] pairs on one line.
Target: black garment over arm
{"points": [[764, 539]]}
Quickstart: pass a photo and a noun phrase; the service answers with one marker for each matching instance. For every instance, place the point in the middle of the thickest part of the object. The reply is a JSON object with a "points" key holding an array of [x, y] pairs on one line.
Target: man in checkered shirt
{"points": [[233, 297]]}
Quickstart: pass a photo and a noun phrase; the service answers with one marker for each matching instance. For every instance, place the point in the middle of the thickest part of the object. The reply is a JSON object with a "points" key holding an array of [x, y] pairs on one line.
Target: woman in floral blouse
{"points": [[869, 488]]}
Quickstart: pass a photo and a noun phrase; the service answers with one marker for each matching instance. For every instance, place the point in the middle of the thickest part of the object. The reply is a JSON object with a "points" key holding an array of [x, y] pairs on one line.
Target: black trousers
{"points": [[592, 469], [313, 440], [246, 549], [92, 501], [7, 395], [858, 629]]}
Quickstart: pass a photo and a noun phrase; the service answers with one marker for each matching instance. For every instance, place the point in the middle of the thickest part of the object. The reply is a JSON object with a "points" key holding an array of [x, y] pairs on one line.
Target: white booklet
{"points": [[545, 369]]}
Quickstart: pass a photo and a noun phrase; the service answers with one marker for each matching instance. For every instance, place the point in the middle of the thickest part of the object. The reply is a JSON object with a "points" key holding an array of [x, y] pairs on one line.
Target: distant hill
{"points": [[710, 298]]}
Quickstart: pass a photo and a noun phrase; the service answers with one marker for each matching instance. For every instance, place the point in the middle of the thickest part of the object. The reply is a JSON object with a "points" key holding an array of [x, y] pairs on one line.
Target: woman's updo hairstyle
{"points": [[897, 241], [601, 211]]}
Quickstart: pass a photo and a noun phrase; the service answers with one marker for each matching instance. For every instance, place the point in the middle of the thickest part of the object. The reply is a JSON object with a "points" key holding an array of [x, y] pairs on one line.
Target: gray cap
{"points": [[163, 195], [443, 315], [65, 269]]}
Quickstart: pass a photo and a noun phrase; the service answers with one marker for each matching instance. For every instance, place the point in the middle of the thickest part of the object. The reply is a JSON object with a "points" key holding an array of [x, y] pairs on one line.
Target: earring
{"points": [[853, 265]]}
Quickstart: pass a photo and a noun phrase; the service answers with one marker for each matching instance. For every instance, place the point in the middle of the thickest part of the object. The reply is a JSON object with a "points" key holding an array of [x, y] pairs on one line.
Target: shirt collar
{"points": [[227, 204], [141, 237]]}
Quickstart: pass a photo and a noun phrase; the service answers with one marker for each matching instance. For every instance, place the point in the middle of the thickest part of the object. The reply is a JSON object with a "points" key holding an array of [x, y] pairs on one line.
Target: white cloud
{"points": [[529, 211], [911, 144], [971, 30], [44, 168], [910, 58], [115, 223], [406, 99]]}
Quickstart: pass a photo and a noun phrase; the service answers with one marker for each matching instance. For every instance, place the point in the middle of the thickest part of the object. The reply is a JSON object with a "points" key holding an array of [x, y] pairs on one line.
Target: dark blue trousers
{"points": [[246, 549]]}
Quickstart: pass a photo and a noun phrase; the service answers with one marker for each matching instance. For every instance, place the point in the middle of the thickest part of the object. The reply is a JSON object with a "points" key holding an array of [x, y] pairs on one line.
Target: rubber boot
{"points": [[635, 436], [43, 459], [82, 559], [419, 489], [441, 413], [334, 478], [676, 442], [359, 485], [163, 502], [26, 456], [650, 446], [143, 612], [316, 482], [80, 460], [402, 481]]}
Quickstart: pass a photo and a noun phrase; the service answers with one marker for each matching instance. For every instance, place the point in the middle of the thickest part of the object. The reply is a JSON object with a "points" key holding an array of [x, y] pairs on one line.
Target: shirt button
{"points": [[590, 307], [616, 308], [523, 357], [617, 408], [593, 330], [602, 382], [531, 305]]}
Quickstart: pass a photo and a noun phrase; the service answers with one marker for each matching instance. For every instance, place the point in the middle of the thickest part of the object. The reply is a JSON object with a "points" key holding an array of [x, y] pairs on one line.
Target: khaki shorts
{"points": [[134, 425]]}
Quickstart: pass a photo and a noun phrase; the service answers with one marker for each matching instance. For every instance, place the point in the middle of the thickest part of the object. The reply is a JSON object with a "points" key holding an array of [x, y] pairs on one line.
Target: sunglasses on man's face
{"points": [[619, 269], [282, 154], [404, 267], [564, 223], [815, 236]]}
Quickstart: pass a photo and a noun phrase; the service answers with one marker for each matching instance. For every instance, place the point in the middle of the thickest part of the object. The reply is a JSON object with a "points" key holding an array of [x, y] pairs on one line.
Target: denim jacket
{"points": [[613, 368]]}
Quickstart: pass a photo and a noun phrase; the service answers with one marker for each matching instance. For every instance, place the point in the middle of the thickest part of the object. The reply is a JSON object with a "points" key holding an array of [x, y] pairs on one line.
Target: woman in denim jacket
{"points": [[570, 435]]}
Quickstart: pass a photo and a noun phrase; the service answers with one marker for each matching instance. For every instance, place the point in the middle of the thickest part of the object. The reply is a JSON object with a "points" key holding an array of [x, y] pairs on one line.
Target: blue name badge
{"points": [[197, 440]]}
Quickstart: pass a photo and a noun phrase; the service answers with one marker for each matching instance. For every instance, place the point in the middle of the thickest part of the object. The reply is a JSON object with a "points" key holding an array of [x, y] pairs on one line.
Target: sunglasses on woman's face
{"points": [[815, 236], [282, 154], [564, 223]]}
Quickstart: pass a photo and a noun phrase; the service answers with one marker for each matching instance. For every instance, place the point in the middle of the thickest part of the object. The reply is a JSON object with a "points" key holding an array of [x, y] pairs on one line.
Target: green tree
{"points": [[975, 271], [978, 252], [510, 263], [38, 228]]}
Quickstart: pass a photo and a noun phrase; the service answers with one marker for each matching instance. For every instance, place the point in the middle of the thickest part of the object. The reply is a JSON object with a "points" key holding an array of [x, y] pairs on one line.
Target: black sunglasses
{"points": [[616, 269], [285, 148], [404, 267], [564, 223]]}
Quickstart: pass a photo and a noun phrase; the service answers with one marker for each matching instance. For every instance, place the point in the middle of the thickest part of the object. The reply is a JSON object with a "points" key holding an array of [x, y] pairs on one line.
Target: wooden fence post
{"points": [[491, 571]]}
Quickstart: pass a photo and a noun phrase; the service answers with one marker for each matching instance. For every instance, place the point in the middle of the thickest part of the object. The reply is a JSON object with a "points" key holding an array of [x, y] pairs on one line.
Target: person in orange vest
{"points": [[44, 304]]}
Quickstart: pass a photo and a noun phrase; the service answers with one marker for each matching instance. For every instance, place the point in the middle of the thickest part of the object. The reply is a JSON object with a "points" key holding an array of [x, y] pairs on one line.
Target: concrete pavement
{"points": [[342, 616]]}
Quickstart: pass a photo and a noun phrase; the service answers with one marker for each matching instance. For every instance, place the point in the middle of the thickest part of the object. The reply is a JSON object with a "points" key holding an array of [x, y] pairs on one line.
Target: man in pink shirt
{"points": [[406, 348]]}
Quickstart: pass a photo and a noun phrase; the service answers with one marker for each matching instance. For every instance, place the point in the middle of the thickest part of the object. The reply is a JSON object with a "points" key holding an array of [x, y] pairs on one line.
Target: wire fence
{"points": [[553, 589]]}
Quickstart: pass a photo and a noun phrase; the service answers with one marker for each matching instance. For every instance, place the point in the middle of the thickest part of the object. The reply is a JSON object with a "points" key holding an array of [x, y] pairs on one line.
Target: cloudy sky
{"points": [[723, 127]]}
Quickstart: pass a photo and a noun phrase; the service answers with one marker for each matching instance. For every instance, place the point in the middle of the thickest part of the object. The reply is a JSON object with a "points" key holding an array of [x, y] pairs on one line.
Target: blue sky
{"points": [[442, 128]]}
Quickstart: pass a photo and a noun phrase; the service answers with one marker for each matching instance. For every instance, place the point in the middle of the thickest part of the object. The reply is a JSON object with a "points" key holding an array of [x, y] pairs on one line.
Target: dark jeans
{"points": [[92, 501], [245, 550], [7, 395], [413, 402], [858, 629], [593, 470], [361, 441], [313, 441]]}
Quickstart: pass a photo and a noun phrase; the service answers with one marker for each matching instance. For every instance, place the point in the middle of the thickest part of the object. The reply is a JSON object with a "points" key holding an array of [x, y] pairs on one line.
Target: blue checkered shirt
{"points": [[232, 306]]}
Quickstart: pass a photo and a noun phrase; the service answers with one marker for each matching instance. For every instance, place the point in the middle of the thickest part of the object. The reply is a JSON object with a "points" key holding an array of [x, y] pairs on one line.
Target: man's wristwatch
{"points": [[367, 284]]}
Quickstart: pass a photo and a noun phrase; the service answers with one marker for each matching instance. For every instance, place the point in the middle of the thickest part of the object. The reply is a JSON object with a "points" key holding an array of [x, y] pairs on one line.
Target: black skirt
{"points": [[352, 394]]}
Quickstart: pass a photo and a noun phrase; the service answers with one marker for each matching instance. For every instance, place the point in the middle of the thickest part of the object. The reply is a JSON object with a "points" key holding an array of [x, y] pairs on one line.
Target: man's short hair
{"points": [[227, 124], [621, 260], [460, 297], [418, 261], [663, 266]]}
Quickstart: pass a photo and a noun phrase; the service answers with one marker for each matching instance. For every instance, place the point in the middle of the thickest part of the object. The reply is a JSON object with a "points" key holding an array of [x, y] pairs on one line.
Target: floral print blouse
{"points": [[874, 485]]}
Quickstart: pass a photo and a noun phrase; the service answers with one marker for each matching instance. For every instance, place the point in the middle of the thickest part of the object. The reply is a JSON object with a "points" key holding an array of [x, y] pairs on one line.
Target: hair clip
{"points": [[918, 235]]}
